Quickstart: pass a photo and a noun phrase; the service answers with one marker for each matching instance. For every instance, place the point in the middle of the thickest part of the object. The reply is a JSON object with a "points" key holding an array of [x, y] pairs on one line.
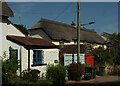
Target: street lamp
{"points": [[88, 23], [78, 39], [78, 31]]}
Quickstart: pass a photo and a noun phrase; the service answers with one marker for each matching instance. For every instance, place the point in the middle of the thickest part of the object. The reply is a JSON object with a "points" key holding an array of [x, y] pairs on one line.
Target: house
{"points": [[33, 53], [105, 36], [64, 34], [60, 33]]}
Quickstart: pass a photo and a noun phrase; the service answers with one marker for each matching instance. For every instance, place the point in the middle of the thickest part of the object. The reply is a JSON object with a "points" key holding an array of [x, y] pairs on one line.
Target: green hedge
{"points": [[56, 73]]}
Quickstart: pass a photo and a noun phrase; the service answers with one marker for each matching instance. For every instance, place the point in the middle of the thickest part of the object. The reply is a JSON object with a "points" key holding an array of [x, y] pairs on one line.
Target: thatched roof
{"points": [[21, 28], [6, 10], [70, 49], [60, 31]]}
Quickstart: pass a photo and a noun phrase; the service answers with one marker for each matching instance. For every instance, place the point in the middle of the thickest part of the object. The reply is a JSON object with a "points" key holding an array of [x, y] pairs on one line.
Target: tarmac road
{"points": [[99, 81]]}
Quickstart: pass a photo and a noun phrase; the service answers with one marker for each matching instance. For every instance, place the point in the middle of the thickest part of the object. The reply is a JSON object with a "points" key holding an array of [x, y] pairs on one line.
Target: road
{"points": [[99, 81]]}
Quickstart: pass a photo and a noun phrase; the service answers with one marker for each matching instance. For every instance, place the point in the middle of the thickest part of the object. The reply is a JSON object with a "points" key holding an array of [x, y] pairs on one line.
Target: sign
{"points": [[70, 58], [82, 58], [67, 59], [109, 44]]}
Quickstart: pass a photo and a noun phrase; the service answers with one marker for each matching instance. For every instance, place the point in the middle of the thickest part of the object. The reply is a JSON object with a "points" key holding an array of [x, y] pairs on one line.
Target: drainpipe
{"points": [[20, 61], [28, 59]]}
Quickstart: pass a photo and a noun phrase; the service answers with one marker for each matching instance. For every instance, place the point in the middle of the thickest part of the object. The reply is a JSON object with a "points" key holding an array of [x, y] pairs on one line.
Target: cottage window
{"points": [[13, 54], [61, 42], [37, 57]]}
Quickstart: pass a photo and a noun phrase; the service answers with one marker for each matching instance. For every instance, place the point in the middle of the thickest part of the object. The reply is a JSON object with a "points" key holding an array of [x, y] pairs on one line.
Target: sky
{"points": [[104, 14]]}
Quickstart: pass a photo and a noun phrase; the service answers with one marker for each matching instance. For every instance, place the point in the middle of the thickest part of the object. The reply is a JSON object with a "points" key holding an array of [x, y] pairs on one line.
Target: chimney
{"points": [[73, 24], [92, 30]]}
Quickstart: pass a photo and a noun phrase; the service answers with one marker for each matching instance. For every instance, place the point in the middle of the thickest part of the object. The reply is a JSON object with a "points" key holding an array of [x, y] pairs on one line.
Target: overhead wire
{"points": [[63, 11]]}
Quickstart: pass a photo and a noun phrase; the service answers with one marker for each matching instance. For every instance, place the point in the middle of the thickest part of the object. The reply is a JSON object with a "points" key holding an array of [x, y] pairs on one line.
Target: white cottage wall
{"points": [[0, 37], [8, 29], [49, 55]]}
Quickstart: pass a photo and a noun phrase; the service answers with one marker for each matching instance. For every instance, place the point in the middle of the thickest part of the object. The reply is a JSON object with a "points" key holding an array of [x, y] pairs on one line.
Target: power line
{"points": [[75, 15], [63, 11]]}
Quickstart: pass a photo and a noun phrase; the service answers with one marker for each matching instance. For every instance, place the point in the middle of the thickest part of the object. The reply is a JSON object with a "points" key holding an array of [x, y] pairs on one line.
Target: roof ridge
{"points": [[52, 21]]}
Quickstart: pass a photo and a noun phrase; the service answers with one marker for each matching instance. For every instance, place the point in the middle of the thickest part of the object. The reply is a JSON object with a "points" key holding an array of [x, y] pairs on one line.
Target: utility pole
{"points": [[78, 32]]}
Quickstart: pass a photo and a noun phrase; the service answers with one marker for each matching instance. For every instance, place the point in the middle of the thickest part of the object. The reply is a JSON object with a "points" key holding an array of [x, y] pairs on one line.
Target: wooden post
{"points": [[78, 32], [28, 59]]}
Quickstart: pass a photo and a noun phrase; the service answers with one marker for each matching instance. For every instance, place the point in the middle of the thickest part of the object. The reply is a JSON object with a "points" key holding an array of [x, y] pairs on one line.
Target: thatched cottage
{"points": [[33, 53]]}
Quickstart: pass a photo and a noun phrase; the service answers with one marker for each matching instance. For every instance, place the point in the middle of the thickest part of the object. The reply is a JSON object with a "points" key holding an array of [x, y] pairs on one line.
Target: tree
{"points": [[111, 56], [115, 52]]}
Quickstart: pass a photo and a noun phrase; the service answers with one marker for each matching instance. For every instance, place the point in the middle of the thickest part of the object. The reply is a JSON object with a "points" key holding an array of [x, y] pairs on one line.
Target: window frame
{"points": [[10, 53], [36, 55]]}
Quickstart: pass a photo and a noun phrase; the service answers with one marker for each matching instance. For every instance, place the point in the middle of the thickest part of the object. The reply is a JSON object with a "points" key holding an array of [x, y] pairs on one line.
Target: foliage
{"points": [[106, 56], [21, 82], [87, 64], [115, 52], [115, 71], [9, 68], [31, 75], [101, 55], [75, 71], [56, 73]]}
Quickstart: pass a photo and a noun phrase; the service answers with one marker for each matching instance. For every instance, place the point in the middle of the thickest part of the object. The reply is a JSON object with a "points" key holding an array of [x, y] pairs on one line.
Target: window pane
{"points": [[37, 57], [14, 54]]}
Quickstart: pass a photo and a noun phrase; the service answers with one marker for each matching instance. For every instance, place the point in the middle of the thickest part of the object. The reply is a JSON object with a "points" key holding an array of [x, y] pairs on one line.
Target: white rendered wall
{"points": [[8, 29], [49, 56], [0, 37]]}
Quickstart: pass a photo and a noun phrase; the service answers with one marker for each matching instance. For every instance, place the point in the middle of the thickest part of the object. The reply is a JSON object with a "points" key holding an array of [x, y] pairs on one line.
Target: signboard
{"points": [[82, 58], [70, 58], [67, 59]]}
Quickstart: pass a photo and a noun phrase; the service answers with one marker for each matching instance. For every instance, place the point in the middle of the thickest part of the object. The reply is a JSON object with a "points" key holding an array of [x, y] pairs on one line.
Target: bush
{"points": [[56, 73], [21, 82], [31, 75], [115, 71], [9, 68], [75, 71]]}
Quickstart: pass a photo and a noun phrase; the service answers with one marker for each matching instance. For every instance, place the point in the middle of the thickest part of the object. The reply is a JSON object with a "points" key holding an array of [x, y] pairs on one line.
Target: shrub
{"points": [[75, 71], [31, 75], [87, 64], [56, 73], [115, 71], [9, 68]]}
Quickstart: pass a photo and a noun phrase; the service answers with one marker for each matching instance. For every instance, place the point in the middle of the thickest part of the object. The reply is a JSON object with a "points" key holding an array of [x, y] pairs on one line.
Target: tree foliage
{"points": [[115, 52], [111, 56]]}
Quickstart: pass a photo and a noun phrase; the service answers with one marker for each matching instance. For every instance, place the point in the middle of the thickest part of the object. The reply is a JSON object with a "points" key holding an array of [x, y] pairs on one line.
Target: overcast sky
{"points": [[105, 14]]}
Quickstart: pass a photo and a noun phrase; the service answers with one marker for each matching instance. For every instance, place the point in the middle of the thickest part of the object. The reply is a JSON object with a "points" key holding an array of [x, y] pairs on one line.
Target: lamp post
{"points": [[78, 31]]}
